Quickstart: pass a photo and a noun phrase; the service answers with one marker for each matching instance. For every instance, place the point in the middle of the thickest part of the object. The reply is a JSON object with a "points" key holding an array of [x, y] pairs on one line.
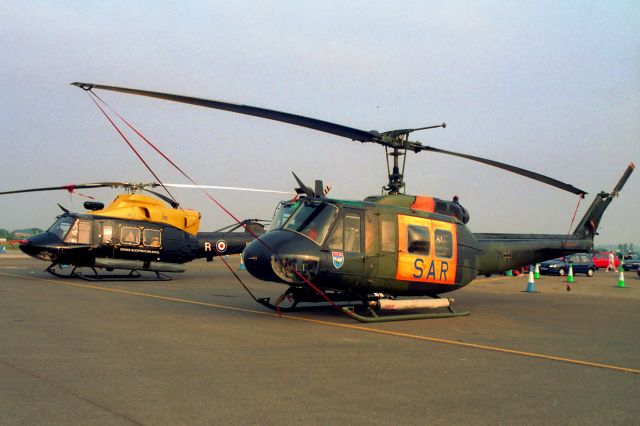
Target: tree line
{"points": [[18, 233]]}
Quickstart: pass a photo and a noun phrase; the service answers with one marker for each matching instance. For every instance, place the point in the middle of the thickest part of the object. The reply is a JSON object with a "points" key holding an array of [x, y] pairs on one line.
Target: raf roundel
{"points": [[221, 246]]}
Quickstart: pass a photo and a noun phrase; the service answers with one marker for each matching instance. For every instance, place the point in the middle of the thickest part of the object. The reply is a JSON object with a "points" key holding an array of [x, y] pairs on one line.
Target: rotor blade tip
{"points": [[83, 86]]}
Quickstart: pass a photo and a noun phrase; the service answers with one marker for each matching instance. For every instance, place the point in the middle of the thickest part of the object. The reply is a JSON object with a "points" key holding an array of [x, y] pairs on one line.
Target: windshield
{"points": [[61, 226], [282, 213], [313, 220]]}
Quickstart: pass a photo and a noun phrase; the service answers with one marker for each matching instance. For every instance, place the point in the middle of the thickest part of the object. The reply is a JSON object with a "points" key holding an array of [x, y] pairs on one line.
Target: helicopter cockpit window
{"points": [[282, 213], [312, 219], [79, 233], [444, 243], [336, 241], [151, 237], [418, 239], [130, 235], [61, 226]]}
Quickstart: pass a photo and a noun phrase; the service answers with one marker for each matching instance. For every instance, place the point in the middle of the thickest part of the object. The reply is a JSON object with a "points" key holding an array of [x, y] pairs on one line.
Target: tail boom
{"points": [[503, 252]]}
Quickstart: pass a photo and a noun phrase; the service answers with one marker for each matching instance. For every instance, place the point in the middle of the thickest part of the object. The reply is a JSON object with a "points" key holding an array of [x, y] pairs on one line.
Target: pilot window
{"points": [[80, 232], [418, 240], [151, 237], [130, 235], [444, 243], [282, 213], [336, 242], [61, 226], [313, 220]]}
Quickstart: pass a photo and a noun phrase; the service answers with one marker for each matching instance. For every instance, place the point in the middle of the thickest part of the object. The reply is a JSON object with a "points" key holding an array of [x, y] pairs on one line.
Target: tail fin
{"points": [[589, 224]]}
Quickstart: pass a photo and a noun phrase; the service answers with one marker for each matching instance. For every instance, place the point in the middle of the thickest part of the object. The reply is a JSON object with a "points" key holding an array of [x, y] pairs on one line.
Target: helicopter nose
{"points": [[282, 256], [39, 247], [257, 259], [24, 246], [38, 252]]}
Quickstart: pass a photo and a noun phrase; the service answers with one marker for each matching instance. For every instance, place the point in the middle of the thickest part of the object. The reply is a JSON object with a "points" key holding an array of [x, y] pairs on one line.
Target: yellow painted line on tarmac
{"points": [[342, 325], [135, 293]]}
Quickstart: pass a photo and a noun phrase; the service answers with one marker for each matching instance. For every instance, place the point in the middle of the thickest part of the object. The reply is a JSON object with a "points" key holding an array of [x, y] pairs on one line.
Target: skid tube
{"points": [[349, 308], [374, 317], [133, 275], [266, 301]]}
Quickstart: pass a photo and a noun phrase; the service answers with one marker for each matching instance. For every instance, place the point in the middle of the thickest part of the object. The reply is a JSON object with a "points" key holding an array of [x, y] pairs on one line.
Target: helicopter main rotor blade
{"points": [[285, 117], [393, 139], [623, 179], [513, 169], [69, 188]]}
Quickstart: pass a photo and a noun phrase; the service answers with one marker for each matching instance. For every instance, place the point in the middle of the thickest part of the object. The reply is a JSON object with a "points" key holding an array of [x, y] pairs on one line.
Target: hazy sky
{"points": [[549, 86]]}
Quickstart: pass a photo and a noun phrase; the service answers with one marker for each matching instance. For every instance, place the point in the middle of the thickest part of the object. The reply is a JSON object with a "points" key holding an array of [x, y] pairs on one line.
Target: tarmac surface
{"points": [[199, 350]]}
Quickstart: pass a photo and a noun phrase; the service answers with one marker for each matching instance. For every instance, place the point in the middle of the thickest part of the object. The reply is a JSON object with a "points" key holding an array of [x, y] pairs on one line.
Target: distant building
{"points": [[23, 234]]}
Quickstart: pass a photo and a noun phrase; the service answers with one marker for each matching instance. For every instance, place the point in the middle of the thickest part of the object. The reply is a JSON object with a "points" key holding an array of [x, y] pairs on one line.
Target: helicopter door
{"points": [[371, 244], [427, 250], [345, 245], [105, 233], [388, 245]]}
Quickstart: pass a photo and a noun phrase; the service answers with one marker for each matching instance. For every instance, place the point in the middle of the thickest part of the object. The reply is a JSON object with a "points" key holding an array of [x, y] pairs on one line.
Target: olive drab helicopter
{"points": [[135, 233], [387, 246]]}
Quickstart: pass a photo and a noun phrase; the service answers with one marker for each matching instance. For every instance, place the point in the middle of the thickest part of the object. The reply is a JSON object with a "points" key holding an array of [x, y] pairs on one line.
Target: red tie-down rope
{"points": [[129, 143], [564, 244], [92, 95], [71, 189]]}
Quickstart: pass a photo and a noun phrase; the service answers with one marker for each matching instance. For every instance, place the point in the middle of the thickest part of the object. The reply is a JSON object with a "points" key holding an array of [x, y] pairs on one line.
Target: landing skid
{"points": [[374, 317], [266, 301], [349, 306], [133, 275]]}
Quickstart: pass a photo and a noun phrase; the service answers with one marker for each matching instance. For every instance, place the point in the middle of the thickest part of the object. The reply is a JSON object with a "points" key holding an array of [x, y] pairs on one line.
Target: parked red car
{"points": [[601, 260]]}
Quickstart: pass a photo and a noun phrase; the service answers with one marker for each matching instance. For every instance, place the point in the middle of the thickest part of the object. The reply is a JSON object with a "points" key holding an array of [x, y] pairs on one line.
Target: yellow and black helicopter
{"points": [[136, 232]]}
